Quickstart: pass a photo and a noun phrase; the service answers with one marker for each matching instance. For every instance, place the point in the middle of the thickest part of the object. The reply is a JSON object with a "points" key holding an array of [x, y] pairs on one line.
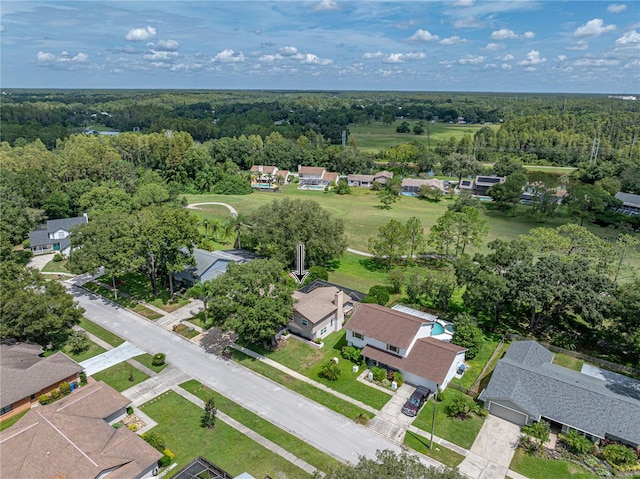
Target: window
{"points": [[358, 336], [304, 322], [323, 331], [6, 409], [33, 397], [393, 349]]}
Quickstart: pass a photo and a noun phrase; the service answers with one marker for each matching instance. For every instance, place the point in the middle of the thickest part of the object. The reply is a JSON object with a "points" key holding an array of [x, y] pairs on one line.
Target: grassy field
{"points": [[375, 137], [118, 376], [315, 394], [309, 361], [179, 424], [288, 441], [439, 453], [462, 433], [538, 468], [105, 335], [92, 351]]}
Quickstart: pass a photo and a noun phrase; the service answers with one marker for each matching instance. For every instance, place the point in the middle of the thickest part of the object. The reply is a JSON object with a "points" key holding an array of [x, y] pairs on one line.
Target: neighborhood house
{"points": [[25, 376], [630, 203], [403, 342], [268, 177], [411, 186], [73, 439], [210, 265], [480, 186], [526, 386], [54, 235], [367, 181], [316, 178]]}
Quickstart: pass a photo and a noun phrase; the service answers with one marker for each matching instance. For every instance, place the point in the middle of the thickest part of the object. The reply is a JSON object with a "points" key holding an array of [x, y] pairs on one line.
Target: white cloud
{"points": [[423, 36], [405, 25], [401, 57], [528, 35], [160, 56], [2, 28], [463, 3], [616, 8], [579, 45], [229, 56], [562, 58], [506, 66], [533, 58], [326, 5], [447, 63], [503, 34], [311, 59], [415, 56], [507, 58], [454, 40], [595, 62], [494, 47], [471, 59], [140, 34], [64, 57], [46, 57], [468, 22], [271, 58], [167, 45], [288, 51], [632, 64], [369, 55], [593, 28], [490, 66], [629, 39], [530, 69]]}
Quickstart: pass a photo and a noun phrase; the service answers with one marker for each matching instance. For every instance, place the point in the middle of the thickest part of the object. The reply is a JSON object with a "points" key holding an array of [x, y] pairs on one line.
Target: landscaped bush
{"points": [[352, 354], [164, 461], [132, 427], [118, 425], [65, 388], [378, 294], [155, 440], [619, 455], [57, 258], [331, 371], [77, 342], [168, 453], [44, 399], [379, 374], [576, 443], [83, 378], [158, 359], [129, 410], [55, 394], [398, 378]]}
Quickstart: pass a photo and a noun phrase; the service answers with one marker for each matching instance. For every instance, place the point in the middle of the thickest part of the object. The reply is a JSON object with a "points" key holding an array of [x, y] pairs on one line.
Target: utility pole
{"points": [[433, 421]]}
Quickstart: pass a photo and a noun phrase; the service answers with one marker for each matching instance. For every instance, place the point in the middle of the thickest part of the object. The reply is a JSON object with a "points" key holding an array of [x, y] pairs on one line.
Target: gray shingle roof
{"points": [[629, 199], [40, 237], [211, 264], [527, 377]]}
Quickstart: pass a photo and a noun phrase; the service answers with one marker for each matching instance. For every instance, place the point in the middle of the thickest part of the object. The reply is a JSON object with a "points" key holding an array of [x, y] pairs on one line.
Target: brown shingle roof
{"points": [[383, 174], [70, 439], [385, 324], [265, 169], [368, 178], [316, 304], [331, 176], [423, 182], [310, 170], [429, 358], [23, 372]]}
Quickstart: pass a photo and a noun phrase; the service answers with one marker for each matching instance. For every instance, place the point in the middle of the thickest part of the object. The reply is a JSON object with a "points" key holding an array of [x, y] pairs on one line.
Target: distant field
{"points": [[378, 136]]}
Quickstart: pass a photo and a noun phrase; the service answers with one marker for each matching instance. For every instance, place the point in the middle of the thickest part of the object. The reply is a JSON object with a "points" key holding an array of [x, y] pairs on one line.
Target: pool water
{"points": [[437, 329]]}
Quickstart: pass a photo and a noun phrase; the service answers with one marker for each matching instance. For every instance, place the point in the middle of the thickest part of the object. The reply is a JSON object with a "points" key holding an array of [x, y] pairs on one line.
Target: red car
{"points": [[416, 400]]}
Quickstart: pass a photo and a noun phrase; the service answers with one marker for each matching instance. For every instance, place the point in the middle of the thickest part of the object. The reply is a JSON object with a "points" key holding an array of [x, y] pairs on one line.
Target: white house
{"points": [[400, 341], [54, 235]]}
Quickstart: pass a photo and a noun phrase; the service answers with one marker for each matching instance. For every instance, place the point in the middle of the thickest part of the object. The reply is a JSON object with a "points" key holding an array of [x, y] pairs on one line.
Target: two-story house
{"points": [[480, 186], [54, 235], [319, 312], [402, 342], [268, 177], [316, 178]]}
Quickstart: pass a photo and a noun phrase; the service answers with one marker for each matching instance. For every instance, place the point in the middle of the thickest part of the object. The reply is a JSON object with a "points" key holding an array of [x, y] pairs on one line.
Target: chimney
{"points": [[339, 302], [260, 168]]}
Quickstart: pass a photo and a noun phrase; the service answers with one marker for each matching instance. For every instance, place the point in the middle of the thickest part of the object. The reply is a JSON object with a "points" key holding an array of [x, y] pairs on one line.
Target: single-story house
{"points": [[411, 186], [526, 386], [210, 265], [54, 235], [630, 203], [73, 438], [201, 467], [400, 341], [367, 181], [266, 177], [481, 184], [25, 376], [316, 178], [530, 194]]}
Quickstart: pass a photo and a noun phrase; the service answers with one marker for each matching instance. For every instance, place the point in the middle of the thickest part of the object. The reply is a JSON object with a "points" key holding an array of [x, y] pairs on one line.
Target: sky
{"points": [[456, 45]]}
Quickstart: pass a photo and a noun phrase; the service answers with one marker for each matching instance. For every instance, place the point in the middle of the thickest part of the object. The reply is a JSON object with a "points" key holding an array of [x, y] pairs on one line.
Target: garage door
{"points": [[508, 414]]}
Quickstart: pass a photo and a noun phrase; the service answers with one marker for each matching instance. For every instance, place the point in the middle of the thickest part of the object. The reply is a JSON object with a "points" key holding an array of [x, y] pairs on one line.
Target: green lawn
{"points": [[318, 395], [55, 267], [122, 301], [186, 331], [288, 441], [439, 453], [146, 360], [476, 364], [105, 335], [486, 377], [567, 361], [118, 376], [462, 433], [179, 424], [92, 351], [139, 286], [198, 320], [538, 468], [12, 420], [309, 361]]}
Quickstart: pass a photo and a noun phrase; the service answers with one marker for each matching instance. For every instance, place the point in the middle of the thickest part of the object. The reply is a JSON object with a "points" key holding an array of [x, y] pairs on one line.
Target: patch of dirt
{"points": [[215, 341]]}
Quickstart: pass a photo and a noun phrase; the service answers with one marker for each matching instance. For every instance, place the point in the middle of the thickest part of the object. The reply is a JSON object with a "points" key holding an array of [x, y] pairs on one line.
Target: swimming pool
{"points": [[437, 329]]}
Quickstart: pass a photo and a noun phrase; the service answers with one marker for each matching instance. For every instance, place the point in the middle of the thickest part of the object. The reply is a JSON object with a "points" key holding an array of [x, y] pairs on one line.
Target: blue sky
{"points": [[455, 45]]}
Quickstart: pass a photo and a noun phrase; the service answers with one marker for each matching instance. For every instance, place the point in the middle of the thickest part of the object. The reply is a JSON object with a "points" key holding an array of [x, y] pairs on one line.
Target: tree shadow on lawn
{"points": [[374, 265]]}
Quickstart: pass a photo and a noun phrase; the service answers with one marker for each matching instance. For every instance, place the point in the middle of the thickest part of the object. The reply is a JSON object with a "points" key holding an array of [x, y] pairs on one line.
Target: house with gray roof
{"points": [[630, 203], [54, 235], [25, 376], [526, 386], [210, 265]]}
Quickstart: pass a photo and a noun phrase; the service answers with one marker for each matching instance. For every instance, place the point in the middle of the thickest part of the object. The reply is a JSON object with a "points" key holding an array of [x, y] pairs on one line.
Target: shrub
{"points": [[57, 258], [26, 244], [378, 374], [619, 455], [378, 294], [467, 334], [118, 425], [132, 427], [158, 359], [77, 342], [155, 440], [538, 430], [164, 461], [44, 399], [352, 354], [168, 453], [398, 378], [83, 378], [459, 407], [129, 410], [331, 371], [576, 443], [65, 388], [208, 418], [55, 394]]}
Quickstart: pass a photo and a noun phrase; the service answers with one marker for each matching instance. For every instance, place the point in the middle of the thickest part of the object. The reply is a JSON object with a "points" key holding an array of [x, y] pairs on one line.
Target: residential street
{"points": [[328, 431]]}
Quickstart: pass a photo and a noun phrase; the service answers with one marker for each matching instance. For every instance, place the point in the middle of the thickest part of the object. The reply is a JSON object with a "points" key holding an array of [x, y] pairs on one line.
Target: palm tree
{"points": [[215, 228], [228, 228], [205, 223], [203, 291]]}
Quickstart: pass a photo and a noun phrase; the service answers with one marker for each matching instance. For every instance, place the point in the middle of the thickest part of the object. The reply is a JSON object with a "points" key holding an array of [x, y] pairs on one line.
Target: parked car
{"points": [[416, 400]]}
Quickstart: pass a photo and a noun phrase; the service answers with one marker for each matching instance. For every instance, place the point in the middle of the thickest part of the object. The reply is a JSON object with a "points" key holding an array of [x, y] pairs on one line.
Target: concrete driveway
{"points": [[326, 430], [38, 262], [492, 451], [110, 358]]}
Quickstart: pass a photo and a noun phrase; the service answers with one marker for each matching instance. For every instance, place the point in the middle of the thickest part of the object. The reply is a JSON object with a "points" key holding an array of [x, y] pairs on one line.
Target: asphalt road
{"points": [[326, 430]]}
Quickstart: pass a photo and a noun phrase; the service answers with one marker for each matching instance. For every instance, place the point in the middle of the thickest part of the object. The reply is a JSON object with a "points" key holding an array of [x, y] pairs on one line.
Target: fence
{"points": [[585, 357]]}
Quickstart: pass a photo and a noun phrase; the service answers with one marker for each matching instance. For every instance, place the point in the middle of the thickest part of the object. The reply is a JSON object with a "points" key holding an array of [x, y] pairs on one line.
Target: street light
{"points": [[433, 421]]}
